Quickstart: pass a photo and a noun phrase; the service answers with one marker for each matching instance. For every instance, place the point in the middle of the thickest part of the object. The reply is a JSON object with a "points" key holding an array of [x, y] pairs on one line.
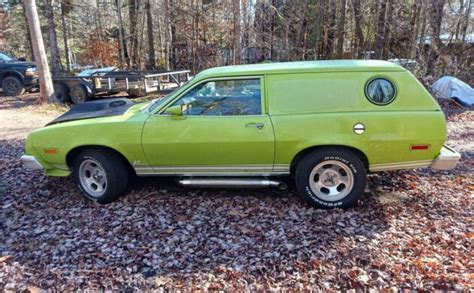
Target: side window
{"points": [[380, 91], [223, 98]]}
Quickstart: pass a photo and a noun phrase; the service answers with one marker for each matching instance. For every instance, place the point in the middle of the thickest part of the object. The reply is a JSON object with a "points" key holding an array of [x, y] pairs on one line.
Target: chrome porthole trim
{"points": [[331, 180], [93, 178]]}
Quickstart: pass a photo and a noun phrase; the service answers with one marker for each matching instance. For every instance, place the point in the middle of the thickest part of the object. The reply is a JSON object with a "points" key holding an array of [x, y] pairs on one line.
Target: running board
{"points": [[232, 182]]}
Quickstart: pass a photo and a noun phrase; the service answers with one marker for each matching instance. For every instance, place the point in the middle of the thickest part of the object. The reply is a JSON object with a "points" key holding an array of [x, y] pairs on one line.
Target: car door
{"points": [[224, 130]]}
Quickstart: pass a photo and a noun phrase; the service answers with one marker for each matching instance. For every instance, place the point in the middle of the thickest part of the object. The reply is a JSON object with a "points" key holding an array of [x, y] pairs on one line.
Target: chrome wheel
{"points": [[331, 180], [93, 178]]}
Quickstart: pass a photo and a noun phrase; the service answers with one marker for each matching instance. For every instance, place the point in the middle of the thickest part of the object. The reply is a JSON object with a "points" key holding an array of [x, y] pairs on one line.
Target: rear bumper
{"points": [[31, 163], [446, 160]]}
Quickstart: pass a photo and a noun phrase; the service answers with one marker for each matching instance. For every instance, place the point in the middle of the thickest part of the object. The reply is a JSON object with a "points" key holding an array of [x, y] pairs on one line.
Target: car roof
{"points": [[302, 67]]}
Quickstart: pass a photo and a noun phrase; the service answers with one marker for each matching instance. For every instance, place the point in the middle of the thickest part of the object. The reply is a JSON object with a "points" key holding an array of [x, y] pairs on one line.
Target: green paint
{"points": [[305, 104]]}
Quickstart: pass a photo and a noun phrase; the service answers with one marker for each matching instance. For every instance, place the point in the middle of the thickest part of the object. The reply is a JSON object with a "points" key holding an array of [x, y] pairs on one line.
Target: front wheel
{"points": [[101, 176], [12, 86], [331, 178]]}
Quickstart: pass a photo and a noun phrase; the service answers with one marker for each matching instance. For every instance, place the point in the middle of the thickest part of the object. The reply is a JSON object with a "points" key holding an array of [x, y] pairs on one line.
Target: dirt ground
{"points": [[412, 229]]}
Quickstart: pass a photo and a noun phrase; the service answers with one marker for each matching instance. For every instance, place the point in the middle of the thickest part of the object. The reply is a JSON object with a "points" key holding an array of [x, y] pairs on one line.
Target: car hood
{"points": [[22, 63], [95, 109]]}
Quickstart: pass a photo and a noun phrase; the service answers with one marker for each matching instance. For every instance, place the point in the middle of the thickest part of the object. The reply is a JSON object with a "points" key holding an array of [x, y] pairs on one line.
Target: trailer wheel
{"points": [[79, 94], [61, 91]]}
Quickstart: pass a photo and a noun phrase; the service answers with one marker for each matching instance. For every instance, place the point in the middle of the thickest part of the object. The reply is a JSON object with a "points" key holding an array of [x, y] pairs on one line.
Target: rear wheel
{"points": [[101, 176], [79, 94], [12, 86], [331, 178]]}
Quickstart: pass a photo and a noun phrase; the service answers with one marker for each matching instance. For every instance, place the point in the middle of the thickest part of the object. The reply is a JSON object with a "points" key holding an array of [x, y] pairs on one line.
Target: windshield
{"points": [[5, 57], [159, 101]]}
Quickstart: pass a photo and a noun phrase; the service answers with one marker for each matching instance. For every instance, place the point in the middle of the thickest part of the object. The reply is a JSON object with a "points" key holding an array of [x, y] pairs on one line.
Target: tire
{"points": [[331, 178], [111, 172], [12, 86], [61, 91], [79, 94]]}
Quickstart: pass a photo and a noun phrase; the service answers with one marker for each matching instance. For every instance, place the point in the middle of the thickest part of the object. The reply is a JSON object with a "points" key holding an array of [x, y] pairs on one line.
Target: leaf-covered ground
{"points": [[412, 229]]}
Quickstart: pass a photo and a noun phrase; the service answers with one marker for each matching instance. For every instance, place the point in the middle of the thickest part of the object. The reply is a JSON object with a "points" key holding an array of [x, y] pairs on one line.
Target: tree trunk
{"points": [[167, 34], [340, 31], [237, 48], [359, 34], [46, 83], [53, 40], [466, 18], [436, 45], [172, 39], [379, 36], [386, 34], [121, 38], [28, 34], [99, 21], [415, 25], [132, 15], [65, 37], [330, 30], [304, 31], [151, 40]]}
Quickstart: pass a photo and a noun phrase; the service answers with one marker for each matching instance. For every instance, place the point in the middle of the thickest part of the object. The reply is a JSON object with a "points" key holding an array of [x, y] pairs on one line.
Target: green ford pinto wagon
{"points": [[323, 123]]}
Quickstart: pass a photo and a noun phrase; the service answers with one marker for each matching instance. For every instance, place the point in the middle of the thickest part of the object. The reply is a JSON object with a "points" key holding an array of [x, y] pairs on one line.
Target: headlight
{"points": [[30, 72]]}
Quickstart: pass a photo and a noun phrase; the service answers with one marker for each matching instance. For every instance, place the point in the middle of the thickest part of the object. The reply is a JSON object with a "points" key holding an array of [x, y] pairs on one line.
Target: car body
{"points": [[245, 125], [17, 76]]}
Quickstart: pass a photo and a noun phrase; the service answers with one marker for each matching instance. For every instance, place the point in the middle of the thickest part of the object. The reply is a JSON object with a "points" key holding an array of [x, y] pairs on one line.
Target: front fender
{"points": [[52, 144]]}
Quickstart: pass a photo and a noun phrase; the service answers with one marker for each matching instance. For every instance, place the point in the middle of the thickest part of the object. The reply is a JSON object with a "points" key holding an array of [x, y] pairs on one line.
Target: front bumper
{"points": [[446, 160], [30, 162]]}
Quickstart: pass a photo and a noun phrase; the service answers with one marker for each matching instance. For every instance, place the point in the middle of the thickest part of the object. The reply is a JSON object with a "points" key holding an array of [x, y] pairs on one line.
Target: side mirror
{"points": [[175, 111], [22, 59]]}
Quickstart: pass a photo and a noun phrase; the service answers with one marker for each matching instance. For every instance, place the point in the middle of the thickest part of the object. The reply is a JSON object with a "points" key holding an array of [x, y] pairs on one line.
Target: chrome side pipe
{"points": [[232, 182]]}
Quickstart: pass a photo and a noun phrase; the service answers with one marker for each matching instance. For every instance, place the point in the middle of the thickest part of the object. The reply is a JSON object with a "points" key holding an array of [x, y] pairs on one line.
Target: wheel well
{"points": [[74, 152], [306, 151], [11, 73]]}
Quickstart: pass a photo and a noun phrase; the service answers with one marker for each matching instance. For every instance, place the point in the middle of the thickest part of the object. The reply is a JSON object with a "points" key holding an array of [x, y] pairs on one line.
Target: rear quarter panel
{"points": [[318, 109]]}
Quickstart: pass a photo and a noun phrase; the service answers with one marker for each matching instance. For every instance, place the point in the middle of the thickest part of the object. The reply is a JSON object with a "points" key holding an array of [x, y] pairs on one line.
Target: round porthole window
{"points": [[380, 91]]}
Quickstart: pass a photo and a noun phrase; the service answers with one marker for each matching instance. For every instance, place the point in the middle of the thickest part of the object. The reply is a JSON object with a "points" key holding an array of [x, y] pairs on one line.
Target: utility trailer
{"points": [[78, 89]]}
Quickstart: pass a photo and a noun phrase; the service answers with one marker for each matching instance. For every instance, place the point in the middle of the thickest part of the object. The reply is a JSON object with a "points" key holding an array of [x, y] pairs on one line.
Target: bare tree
{"points": [[28, 34], [150, 38], [340, 30], [386, 35], [53, 40], [65, 8], [328, 43], [237, 49], [121, 34], [168, 33], [379, 36], [46, 84], [465, 21], [438, 48], [359, 34], [415, 25], [134, 46]]}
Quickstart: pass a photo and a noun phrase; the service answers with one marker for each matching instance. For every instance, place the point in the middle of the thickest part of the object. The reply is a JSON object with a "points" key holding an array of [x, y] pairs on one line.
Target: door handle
{"points": [[256, 125]]}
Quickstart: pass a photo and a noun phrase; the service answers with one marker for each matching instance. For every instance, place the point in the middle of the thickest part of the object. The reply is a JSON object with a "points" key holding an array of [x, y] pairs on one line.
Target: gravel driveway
{"points": [[412, 229]]}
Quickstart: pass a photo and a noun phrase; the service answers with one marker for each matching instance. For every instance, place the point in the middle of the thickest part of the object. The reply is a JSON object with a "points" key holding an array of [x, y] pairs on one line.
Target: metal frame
{"points": [[132, 82]]}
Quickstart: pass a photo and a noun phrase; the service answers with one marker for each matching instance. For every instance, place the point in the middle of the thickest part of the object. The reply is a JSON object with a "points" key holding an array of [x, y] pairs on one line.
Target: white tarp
{"points": [[448, 87]]}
